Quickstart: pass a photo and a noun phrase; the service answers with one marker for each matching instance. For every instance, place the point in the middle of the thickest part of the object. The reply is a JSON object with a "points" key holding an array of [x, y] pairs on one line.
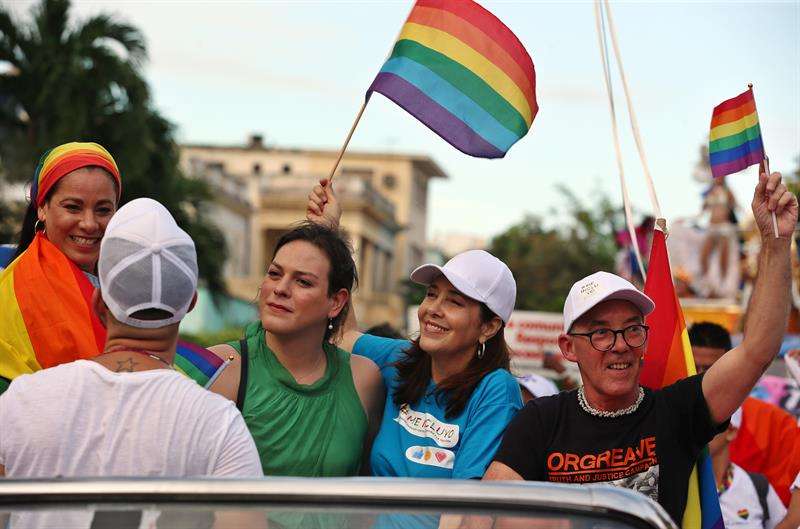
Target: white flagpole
{"points": [[626, 201]]}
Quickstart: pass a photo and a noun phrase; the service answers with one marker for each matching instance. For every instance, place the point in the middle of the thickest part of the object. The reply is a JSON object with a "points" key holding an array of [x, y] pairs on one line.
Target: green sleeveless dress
{"points": [[316, 430]]}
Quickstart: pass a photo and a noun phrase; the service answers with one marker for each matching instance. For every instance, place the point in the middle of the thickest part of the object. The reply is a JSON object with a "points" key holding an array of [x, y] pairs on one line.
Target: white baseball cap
{"points": [[146, 262], [586, 293], [478, 275]]}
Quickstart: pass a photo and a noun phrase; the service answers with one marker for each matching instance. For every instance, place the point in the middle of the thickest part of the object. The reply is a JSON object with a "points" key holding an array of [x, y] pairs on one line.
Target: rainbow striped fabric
{"points": [[46, 315], [464, 74], [198, 363], [735, 139], [61, 160], [669, 359]]}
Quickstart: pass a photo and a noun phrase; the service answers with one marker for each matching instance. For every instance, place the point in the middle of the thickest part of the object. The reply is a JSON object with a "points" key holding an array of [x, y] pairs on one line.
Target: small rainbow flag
{"points": [[669, 359], [464, 74], [735, 139]]}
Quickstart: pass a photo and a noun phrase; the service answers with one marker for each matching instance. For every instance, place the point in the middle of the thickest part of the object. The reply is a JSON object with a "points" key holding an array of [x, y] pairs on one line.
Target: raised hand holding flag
{"points": [[773, 207]]}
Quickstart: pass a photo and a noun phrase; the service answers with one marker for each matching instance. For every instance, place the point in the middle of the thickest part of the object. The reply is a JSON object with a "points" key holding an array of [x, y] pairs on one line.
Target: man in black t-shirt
{"points": [[612, 430]]}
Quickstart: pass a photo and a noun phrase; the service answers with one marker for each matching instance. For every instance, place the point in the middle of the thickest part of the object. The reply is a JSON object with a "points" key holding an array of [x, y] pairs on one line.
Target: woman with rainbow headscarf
{"points": [[45, 293]]}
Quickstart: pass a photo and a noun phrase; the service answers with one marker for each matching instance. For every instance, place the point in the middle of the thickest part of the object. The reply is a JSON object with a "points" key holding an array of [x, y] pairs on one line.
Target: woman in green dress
{"points": [[311, 407]]}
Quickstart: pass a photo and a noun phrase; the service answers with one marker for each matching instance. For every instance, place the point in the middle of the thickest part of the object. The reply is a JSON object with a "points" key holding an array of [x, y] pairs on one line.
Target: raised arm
{"points": [[730, 379], [323, 208]]}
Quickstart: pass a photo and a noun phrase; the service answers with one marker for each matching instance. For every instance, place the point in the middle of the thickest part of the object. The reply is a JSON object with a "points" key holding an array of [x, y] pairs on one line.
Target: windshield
{"points": [[176, 516]]}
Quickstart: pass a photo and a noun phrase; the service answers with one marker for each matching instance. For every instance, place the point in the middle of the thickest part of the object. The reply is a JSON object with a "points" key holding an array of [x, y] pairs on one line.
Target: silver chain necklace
{"points": [[609, 414]]}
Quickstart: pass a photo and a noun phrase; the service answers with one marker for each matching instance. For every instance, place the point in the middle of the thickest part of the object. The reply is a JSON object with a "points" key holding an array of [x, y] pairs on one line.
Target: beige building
{"points": [[260, 191]]}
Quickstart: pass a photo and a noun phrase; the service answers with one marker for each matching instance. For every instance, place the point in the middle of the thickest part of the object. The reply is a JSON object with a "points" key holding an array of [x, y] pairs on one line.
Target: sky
{"points": [[297, 71]]}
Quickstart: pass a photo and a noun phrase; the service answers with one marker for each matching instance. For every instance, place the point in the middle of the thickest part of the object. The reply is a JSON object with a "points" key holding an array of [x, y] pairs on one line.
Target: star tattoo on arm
{"points": [[126, 365]]}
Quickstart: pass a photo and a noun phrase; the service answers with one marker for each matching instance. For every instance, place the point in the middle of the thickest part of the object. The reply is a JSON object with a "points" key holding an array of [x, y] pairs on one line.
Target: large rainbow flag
{"points": [[46, 315], [669, 359], [464, 74], [735, 139]]}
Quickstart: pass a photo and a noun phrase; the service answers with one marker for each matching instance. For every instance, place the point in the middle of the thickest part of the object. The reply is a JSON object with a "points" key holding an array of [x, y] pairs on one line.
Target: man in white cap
{"points": [[127, 412], [611, 429]]}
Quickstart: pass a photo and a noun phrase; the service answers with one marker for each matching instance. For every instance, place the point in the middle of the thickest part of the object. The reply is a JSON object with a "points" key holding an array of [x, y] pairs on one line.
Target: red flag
{"points": [[669, 355], [669, 359]]}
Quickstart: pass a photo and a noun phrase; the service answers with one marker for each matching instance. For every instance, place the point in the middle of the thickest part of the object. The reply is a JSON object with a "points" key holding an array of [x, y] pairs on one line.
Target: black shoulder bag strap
{"points": [[762, 489], [242, 375]]}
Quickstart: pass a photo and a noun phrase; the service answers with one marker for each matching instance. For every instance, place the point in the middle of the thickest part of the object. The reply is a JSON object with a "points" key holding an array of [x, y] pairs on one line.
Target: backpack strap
{"points": [[762, 489], [242, 376]]}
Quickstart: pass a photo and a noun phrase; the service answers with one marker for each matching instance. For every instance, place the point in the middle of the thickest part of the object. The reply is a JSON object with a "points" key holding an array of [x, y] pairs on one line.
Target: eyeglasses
{"points": [[605, 339]]}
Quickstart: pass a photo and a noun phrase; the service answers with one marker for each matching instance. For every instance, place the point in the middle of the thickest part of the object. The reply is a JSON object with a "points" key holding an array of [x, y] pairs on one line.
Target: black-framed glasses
{"points": [[604, 339]]}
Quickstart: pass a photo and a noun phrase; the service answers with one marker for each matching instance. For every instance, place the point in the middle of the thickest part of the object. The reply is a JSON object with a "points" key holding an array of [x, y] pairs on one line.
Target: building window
{"points": [[377, 272], [389, 181], [420, 192], [382, 266], [363, 173], [256, 168]]}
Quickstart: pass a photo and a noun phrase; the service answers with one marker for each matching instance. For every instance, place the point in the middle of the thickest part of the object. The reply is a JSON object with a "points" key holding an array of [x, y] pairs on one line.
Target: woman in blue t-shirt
{"points": [[450, 395]]}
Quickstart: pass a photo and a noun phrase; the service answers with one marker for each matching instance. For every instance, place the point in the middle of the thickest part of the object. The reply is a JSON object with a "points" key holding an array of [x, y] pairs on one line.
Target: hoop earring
{"points": [[38, 225], [481, 349]]}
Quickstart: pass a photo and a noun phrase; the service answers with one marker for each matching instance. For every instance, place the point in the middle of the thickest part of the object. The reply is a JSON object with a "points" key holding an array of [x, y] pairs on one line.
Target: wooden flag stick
{"points": [[347, 140], [364, 104], [765, 163]]}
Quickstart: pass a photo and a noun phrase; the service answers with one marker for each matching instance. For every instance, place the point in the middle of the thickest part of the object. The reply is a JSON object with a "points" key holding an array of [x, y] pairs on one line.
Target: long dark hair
{"points": [[336, 247], [414, 372], [28, 230]]}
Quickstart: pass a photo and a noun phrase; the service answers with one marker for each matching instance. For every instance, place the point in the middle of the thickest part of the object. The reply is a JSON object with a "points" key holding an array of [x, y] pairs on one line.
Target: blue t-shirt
{"points": [[418, 441]]}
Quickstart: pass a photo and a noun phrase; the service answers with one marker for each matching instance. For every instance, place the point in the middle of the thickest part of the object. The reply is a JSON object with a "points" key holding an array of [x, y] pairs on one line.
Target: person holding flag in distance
{"points": [[613, 430]]}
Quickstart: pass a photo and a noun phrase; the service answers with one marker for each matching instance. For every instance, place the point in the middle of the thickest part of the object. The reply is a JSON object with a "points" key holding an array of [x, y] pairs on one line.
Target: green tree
{"points": [[793, 181], [547, 261], [64, 80]]}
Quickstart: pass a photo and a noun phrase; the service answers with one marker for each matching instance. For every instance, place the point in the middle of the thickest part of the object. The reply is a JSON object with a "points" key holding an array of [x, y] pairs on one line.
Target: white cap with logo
{"points": [[586, 293], [146, 262], [478, 275]]}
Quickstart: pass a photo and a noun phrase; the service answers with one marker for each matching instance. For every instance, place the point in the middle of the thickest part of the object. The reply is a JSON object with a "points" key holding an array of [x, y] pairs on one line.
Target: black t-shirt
{"points": [[651, 450]]}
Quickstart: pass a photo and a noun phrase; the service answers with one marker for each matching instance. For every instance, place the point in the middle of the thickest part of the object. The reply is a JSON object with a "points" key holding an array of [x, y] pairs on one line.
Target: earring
{"points": [[38, 225], [330, 325], [481, 349]]}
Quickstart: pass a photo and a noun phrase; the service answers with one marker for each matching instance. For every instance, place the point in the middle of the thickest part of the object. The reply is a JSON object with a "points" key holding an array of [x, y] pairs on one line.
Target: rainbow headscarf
{"points": [[59, 161]]}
